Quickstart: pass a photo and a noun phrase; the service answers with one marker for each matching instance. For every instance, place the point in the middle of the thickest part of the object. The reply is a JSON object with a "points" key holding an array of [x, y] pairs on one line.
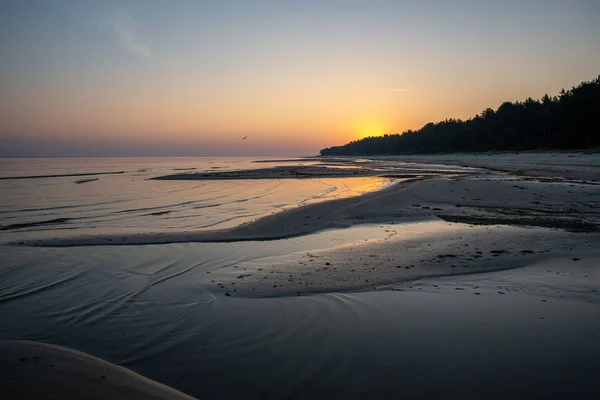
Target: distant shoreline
{"points": [[568, 121]]}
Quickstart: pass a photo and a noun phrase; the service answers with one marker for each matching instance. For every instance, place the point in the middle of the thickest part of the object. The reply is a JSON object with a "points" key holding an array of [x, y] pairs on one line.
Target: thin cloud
{"points": [[126, 30], [402, 90]]}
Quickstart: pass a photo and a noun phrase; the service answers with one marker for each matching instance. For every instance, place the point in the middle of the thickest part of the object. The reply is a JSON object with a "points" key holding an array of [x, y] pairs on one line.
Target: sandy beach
{"points": [[37, 370], [455, 278]]}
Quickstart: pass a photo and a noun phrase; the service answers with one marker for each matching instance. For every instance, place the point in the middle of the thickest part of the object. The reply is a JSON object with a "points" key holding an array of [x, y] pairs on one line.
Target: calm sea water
{"points": [[123, 199]]}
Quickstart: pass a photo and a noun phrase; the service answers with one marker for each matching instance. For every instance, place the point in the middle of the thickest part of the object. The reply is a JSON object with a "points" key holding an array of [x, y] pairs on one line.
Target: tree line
{"points": [[570, 120]]}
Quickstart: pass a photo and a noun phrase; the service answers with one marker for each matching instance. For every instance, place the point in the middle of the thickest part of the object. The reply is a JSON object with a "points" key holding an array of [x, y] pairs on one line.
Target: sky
{"points": [[191, 78]]}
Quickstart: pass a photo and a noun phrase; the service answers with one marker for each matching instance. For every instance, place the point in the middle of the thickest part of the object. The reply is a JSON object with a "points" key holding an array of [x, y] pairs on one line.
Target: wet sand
{"points": [[411, 251], [282, 172], [33, 370], [566, 165]]}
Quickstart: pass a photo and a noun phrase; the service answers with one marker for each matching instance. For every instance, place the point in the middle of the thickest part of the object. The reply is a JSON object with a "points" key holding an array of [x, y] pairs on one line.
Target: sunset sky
{"points": [[191, 78]]}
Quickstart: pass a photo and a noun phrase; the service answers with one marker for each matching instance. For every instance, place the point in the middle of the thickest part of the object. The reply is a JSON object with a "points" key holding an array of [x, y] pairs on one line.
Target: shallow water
{"points": [[136, 306], [128, 202], [151, 308]]}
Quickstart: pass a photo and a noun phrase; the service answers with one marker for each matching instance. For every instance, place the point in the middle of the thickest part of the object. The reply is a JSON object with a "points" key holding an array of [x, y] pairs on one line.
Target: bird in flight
{"points": [[244, 138]]}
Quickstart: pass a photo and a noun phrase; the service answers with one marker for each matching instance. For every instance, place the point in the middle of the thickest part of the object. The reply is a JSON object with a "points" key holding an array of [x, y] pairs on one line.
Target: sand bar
{"points": [[285, 172], [33, 370]]}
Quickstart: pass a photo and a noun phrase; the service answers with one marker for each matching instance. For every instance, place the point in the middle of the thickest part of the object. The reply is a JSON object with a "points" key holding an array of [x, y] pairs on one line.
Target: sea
{"points": [[43, 198]]}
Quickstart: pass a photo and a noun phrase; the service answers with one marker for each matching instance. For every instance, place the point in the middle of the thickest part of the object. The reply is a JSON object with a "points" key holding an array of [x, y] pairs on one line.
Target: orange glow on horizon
{"points": [[370, 129]]}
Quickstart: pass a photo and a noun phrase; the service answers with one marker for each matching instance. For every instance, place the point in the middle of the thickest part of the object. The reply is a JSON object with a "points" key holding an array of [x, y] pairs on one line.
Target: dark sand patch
{"points": [[157, 213], [291, 172], [86, 180], [61, 175], [34, 224], [571, 225]]}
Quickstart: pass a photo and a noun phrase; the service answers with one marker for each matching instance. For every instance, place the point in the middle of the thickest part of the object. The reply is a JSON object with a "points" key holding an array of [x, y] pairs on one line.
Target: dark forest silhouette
{"points": [[568, 121]]}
